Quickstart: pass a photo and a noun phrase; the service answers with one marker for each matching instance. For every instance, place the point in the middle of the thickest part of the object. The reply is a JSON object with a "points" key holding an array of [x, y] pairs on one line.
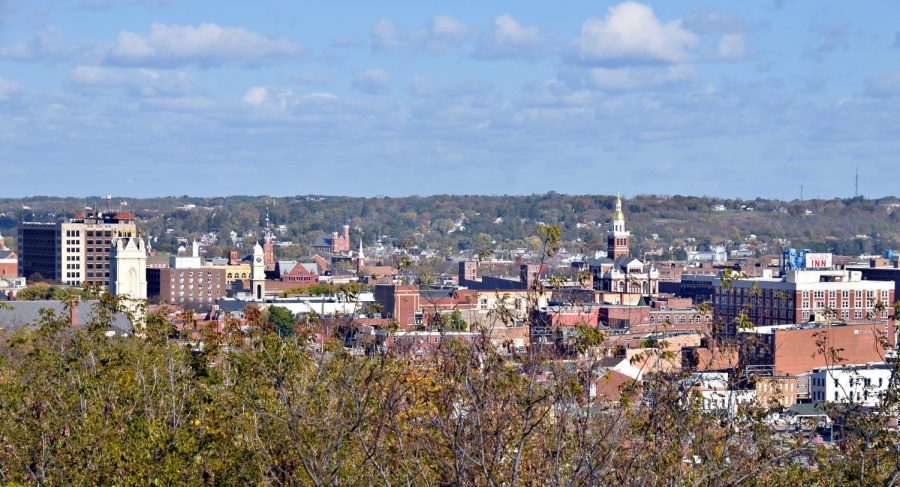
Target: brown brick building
{"points": [[196, 288], [798, 349], [800, 296]]}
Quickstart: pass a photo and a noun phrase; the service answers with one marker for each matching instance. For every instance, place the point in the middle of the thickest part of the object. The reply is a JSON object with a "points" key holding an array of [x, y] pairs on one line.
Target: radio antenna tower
{"points": [[856, 184]]}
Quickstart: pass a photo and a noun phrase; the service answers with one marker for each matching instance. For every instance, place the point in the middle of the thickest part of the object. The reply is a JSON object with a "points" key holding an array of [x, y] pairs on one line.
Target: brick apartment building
{"points": [[800, 296], [194, 288]]}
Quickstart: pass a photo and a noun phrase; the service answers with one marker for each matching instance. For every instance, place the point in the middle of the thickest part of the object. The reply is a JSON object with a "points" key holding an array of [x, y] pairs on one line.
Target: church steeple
{"points": [[258, 274], [617, 238]]}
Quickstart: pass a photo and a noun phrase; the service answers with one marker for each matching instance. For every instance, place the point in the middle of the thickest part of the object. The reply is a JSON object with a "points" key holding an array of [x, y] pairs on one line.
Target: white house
{"points": [[862, 384]]}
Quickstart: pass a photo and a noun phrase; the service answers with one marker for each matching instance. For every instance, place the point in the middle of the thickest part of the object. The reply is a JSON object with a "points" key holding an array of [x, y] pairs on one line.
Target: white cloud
{"points": [[440, 34], [280, 102], [45, 46], [638, 78], [256, 95], [510, 39], [372, 81], [204, 45], [731, 47], [146, 82], [630, 32]]}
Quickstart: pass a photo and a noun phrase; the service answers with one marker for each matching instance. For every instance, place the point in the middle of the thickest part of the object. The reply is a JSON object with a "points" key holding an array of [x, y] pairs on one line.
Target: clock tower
{"points": [[617, 238], [258, 274]]}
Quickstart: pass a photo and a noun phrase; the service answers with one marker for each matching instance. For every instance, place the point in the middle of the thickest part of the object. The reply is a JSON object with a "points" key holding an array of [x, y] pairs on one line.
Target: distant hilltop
{"points": [[849, 226]]}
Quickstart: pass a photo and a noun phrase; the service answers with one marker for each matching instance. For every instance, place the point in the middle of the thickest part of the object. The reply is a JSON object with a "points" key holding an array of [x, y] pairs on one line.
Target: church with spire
{"points": [[622, 278]]}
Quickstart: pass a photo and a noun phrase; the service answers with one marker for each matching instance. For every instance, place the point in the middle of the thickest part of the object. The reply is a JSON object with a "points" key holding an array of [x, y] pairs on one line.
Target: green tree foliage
{"points": [[43, 292], [79, 407], [282, 320]]}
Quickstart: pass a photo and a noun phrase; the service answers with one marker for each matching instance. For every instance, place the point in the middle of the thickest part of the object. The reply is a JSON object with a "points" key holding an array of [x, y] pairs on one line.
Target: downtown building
{"points": [[802, 295], [75, 252], [186, 282]]}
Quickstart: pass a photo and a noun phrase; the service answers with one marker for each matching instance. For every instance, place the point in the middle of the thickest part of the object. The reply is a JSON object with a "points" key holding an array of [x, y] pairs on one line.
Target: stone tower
{"points": [[617, 238], [258, 274]]}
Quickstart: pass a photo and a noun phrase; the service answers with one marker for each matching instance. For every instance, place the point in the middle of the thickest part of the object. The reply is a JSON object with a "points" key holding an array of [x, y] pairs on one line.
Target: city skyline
{"points": [[158, 97]]}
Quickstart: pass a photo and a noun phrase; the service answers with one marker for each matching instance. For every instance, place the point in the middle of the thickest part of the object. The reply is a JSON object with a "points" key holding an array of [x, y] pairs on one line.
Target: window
{"points": [[836, 395]]}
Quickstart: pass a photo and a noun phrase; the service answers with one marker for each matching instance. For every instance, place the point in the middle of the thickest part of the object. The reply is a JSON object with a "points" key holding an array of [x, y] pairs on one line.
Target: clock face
{"points": [[259, 259]]}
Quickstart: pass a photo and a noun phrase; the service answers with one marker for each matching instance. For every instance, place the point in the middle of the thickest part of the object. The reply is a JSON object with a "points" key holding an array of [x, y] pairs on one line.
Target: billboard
{"points": [[817, 261]]}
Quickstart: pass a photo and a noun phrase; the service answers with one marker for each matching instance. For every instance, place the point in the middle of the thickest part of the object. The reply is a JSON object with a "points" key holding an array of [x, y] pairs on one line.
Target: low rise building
{"points": [[195, 288], [796, 349], [858, 384]]}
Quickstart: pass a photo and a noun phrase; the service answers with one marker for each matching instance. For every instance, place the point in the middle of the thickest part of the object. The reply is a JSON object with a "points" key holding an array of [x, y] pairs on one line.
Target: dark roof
{"points": [[27, 313], [436, 293], [323, 242]]}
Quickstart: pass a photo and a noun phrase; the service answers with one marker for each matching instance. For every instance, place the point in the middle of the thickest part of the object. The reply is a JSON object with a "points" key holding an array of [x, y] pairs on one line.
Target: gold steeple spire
{"points": [[619, 215]]}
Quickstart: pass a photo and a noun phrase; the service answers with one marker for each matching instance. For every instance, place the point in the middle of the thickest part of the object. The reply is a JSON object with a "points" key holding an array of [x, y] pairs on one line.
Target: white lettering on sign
{"points": [[818, 261]]}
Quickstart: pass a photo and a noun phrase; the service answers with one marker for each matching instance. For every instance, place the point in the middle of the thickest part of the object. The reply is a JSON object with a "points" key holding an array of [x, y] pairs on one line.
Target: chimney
{"points": [[73, 312]]}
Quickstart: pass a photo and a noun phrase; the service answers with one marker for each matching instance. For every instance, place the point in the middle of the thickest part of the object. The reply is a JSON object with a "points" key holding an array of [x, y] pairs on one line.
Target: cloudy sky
{"points": [[282, 97]]}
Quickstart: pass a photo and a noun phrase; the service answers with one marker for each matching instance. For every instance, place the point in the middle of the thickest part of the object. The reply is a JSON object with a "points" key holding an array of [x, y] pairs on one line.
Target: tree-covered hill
{"points": [[460, 222]]}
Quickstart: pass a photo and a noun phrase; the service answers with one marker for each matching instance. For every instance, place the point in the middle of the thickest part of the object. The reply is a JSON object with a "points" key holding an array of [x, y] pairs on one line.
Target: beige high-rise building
{"points": [[84, 245]]}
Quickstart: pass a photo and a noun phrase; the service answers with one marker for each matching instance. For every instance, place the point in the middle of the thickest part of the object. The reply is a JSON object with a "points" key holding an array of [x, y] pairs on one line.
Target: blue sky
{"points": [[159, 97]]}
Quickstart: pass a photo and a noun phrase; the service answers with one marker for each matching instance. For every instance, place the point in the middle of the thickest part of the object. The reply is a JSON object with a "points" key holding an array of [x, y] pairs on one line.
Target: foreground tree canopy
{"points": [[262, 407]]}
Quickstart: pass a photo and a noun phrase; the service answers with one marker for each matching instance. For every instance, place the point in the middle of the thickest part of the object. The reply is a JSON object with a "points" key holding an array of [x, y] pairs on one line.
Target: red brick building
{"points": [[801, 296], [798, 349], [400, 303], [9, 262], [301, 277], [334, 244], [197, 288]]}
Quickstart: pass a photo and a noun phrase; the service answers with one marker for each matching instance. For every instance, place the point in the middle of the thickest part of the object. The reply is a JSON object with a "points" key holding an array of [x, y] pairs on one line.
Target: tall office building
{"points": [[38, 256], [76, 251]]}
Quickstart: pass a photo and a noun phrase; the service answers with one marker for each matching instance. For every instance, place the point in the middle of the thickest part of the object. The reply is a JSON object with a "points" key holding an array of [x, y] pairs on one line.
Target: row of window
{"points": [[846, 294], [682, 319]]}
